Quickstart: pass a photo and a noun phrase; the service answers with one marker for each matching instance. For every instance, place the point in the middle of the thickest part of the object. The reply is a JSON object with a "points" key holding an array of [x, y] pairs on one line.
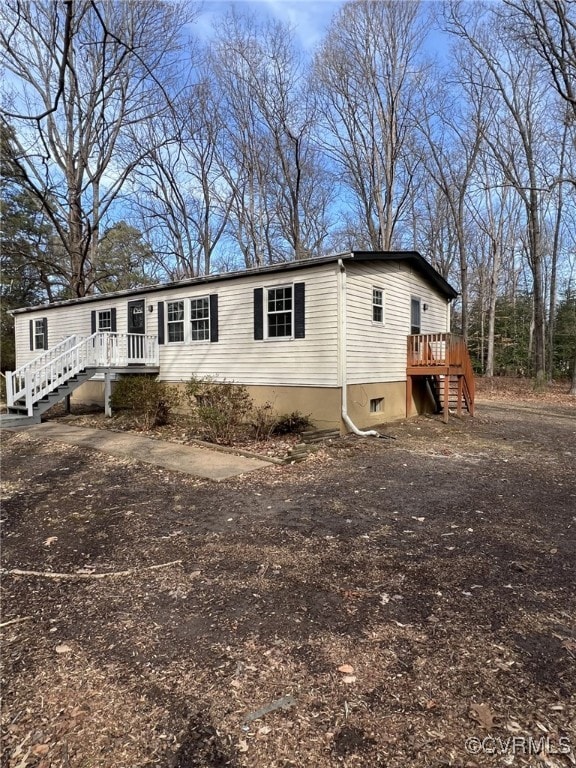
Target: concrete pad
{"points": [[192, 460]]}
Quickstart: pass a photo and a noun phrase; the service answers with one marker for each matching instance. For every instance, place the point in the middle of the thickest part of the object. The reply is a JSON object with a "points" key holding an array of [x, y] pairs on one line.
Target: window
{"points": [[104, 320], [376, 404], [415, 322], [175, 320], [378, 305], [200, 319], [279, 312], [39, 334]]}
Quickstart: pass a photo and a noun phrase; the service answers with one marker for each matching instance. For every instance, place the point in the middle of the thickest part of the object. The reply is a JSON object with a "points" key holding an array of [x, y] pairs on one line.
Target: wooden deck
{"points": [[443, 358]]}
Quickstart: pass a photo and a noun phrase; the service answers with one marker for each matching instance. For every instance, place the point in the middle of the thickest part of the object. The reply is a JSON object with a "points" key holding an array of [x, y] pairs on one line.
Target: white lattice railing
{"points": [[56, 366]]}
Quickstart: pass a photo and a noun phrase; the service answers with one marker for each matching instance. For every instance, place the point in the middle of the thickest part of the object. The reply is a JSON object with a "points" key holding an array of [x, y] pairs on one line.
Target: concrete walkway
{"points": [[190, 459]]}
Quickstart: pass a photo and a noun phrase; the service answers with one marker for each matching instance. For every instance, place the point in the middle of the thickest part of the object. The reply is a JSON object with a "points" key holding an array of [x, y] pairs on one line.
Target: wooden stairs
{"points": [[442, 362]]}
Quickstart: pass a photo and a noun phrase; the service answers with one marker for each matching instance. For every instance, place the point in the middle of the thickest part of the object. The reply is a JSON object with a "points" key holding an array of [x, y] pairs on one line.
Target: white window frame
{"points": [[380, 306], [99, 325], [39, 332], [175, 322], [200, 322], [268, 313]]}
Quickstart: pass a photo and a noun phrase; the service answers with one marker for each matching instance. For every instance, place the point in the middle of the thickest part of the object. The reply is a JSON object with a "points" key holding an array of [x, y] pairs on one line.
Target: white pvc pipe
{"points": [[342, 330]]}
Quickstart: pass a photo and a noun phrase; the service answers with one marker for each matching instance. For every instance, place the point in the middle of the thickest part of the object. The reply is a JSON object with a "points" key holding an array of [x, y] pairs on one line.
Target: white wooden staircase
{"points": [[49, 378]]}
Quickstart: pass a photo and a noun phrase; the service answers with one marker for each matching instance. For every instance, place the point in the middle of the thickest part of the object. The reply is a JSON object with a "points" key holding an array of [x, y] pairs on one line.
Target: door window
{"points": [[415, 321]]}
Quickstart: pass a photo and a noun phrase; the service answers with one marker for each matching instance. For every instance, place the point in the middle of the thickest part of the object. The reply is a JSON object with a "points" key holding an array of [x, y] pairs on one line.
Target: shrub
{"points": [[292, 422], [151, 400], [264, 420], [220, 411]]}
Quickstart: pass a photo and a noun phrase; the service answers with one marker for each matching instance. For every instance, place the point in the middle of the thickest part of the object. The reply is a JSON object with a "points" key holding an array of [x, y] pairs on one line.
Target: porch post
{"points": [[446, 396], [107, 394]]}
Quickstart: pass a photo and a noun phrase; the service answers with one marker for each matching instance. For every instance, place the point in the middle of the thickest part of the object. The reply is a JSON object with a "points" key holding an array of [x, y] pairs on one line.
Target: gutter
{"points": [[342, 357]]}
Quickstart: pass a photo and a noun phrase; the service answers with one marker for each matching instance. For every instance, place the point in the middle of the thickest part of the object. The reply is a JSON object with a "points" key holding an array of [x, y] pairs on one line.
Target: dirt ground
{"points": [[395, 602]]}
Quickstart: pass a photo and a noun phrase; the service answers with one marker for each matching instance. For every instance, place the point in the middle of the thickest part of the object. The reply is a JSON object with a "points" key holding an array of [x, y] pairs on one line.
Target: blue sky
{"points": [[309, 18]]}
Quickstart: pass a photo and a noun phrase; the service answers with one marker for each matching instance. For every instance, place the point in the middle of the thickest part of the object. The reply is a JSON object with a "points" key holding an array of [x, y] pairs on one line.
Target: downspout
{"points": [[342, 361]]}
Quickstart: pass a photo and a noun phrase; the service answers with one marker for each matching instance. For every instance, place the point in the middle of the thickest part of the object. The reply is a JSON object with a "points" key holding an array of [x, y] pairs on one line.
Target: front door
{"points": [[136, 330]]}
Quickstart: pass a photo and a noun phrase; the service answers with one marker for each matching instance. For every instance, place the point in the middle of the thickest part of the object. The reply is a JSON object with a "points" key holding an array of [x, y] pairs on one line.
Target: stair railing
{"points": [[429, 350], [49, 371], [15, 380]]}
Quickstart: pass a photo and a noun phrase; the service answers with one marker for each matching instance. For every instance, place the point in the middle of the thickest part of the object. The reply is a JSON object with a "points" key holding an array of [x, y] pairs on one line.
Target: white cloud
{"points": [[309, 18]]}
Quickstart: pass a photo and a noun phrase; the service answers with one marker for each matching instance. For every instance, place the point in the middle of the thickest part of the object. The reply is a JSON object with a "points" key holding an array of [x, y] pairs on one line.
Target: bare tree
{"points": [[549, 27], [515, 136], [279, 201], [366, 70], [83, 71], [452, 129], [182, 199]]}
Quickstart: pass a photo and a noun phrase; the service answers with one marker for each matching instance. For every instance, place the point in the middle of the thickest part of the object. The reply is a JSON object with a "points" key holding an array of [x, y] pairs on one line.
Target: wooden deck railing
{"points": [[434, 351]]}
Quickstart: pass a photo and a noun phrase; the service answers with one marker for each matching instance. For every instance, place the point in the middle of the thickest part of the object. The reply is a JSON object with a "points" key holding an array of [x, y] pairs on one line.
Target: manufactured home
{"points": [[352, 340]]}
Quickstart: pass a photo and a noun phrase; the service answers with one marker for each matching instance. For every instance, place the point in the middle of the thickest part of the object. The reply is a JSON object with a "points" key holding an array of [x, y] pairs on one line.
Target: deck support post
{"points": [[446, 396], [408, 396], [107, 394]]}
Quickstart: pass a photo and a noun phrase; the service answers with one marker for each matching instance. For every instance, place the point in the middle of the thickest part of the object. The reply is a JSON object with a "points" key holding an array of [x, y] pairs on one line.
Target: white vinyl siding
{"points": [[311, 361], [239, 357], [72, 320], [376, 353]]}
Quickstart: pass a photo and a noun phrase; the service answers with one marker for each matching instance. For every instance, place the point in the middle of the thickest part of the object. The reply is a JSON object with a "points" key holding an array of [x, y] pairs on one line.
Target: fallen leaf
{"points": [[243, 745], [482, 714], [349, 679], [265, 730], [346, 669], [40, 749], [63, 648], [50, 540]]}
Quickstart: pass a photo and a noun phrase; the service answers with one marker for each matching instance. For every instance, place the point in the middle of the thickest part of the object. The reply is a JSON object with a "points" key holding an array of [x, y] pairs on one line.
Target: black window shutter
{"points": [[31, 335], [160, 322], [213, 317], [258, 313], [45, 330], [299, 311], [113, 319], [93, 321]]}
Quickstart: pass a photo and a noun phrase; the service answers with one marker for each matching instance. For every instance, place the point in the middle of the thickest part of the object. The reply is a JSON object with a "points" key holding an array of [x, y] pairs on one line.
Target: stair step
{"points": [[17, 409]]}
